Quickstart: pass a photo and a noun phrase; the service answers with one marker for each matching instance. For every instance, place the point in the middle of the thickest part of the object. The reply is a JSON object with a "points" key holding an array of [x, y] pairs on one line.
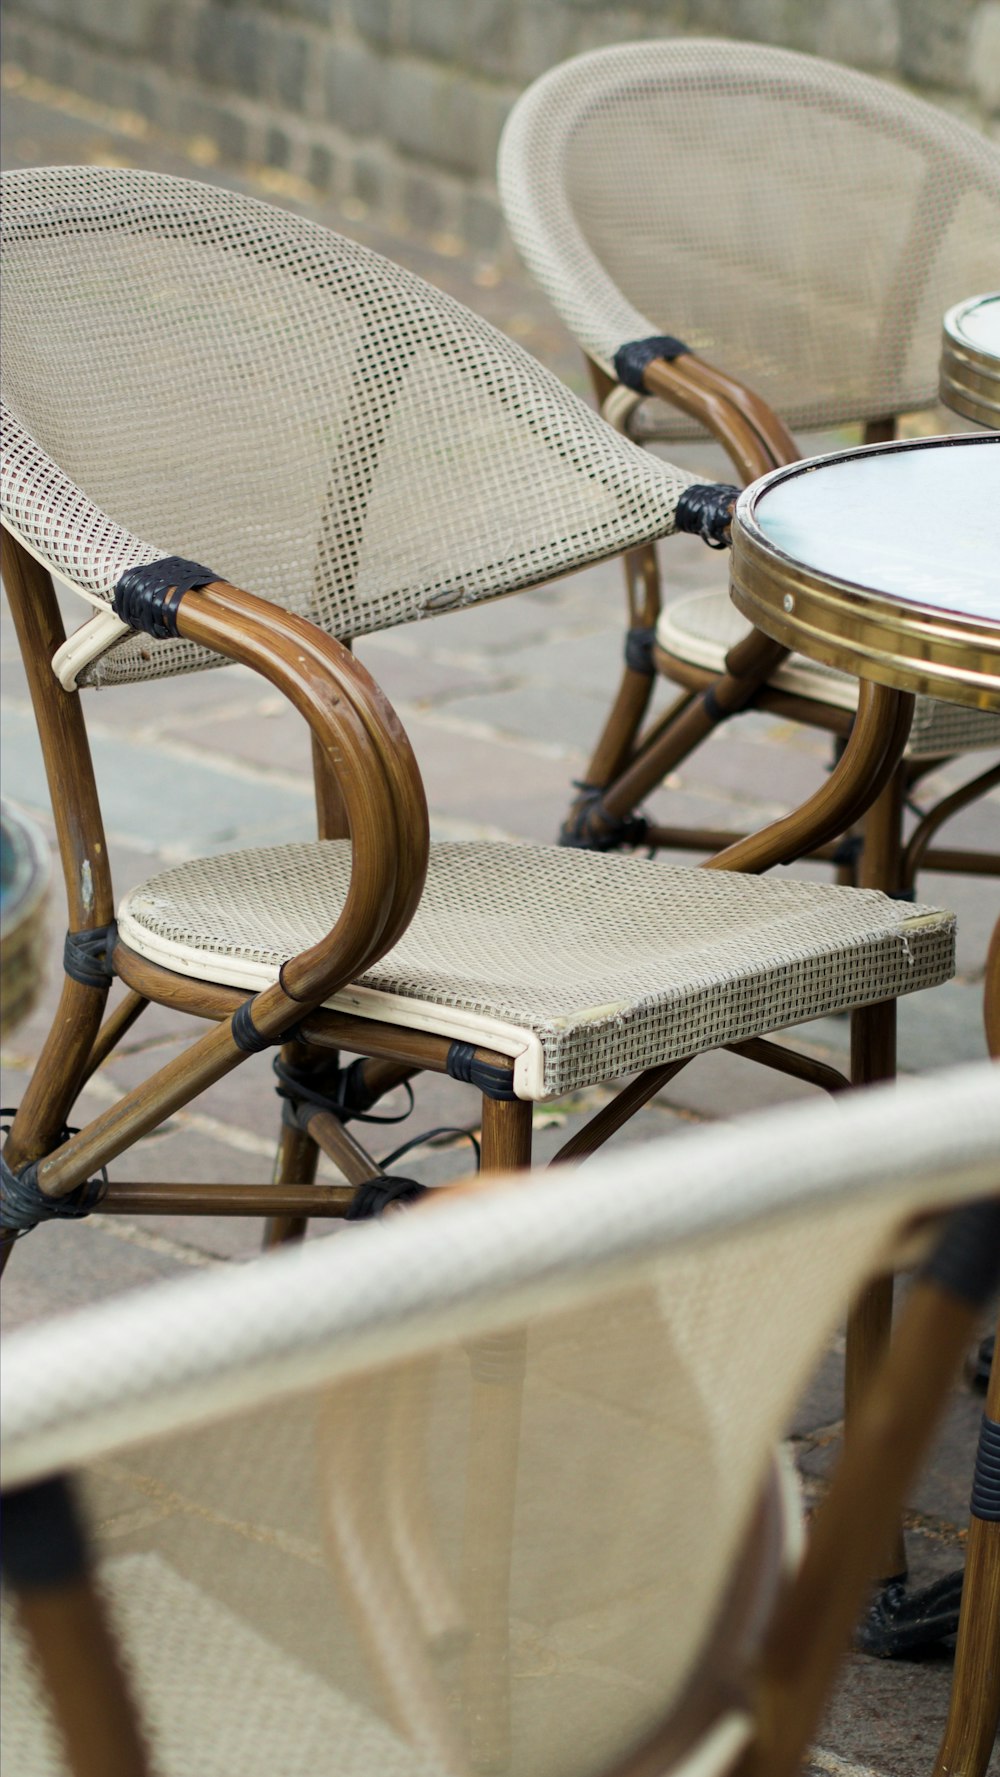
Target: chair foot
{"points": [[901, 1622], [980, 1363], [590, 827]]}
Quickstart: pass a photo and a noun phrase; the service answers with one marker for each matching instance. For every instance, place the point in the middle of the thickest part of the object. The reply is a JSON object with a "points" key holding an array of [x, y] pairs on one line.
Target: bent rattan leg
{"points": [[409, 1509], [895, 1423], [354, 1434], [497, 1365], [45, 1562], [873, 1057], [295, 1162], [974, 1710]]}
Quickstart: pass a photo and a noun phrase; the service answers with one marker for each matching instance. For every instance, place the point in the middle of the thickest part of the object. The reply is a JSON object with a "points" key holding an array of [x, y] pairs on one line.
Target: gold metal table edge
{"points": [[969, 375], [953, 655]]}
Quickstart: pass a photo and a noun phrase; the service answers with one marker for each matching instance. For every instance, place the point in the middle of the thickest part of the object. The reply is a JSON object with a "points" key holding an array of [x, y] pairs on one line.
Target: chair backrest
{"points": [[278, 1456], [802, 225], [190, 372]]}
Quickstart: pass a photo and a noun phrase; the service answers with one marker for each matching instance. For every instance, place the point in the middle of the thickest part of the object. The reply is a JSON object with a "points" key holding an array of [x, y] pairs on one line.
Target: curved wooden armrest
{"points": [[749, 431], [360, 735]]}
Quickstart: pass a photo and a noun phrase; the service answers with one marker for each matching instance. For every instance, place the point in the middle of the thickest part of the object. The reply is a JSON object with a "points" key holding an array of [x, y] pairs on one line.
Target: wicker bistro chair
{"points": [[193, 377], [277, 1458], [685, 204], [366, 452]]}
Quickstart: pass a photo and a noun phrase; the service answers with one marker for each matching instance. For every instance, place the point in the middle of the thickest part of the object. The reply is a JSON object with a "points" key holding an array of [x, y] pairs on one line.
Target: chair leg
{"points": [[295, 1164], [869, 1325], [974, 1710], [497, 1366], [991, 995], [298, 1154], [45, 1560], [899, 1621], [881, 864], [410, 1512]]}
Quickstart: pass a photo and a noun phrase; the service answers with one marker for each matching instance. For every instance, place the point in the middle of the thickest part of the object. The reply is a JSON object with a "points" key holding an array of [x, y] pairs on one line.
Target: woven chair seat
{"points": [[702, 629], [580, 966]]}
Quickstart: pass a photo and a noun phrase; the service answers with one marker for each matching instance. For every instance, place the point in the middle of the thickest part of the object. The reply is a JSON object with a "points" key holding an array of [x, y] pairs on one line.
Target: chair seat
{"points": [[581, 966], [701, 629]]}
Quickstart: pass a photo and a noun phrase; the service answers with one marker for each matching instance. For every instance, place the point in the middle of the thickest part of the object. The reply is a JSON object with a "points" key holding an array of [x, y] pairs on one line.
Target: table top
{"points": [[884, 561], [969, 379], [976, 322]]}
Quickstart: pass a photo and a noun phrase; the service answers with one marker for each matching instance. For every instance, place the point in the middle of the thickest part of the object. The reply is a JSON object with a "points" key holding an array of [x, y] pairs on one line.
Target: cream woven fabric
{"points": [[217, 1695], [701, 630], [582, 966], [802, 225], [191, 372], [254, 1436]]}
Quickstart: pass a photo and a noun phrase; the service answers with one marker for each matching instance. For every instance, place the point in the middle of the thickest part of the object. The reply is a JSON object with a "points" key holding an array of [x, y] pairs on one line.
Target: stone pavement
{"points": [[501, 704]]}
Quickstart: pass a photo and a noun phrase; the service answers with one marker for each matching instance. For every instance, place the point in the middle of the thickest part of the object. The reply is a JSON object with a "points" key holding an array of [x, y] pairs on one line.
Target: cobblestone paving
{"points": [[502, 705]]}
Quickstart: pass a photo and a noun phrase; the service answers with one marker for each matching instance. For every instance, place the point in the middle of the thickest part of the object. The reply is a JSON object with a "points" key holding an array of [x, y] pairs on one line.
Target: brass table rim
{"points": [[900, 642], [969, 374]]}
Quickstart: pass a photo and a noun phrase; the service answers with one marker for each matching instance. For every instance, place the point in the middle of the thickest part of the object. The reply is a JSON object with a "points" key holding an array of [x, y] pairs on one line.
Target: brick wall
{"points": [[395, 107]]}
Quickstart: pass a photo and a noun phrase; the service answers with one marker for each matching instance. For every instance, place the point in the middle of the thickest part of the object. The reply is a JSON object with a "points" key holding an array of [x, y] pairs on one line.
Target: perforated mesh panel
{"points": [[188, 371], [592, 966], [701, 629], [802, 225]]}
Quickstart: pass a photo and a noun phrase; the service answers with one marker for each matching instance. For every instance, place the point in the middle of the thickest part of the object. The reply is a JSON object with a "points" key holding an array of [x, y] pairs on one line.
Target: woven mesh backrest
{"points": [[188, 371], [800, 224], [287, 1550]]}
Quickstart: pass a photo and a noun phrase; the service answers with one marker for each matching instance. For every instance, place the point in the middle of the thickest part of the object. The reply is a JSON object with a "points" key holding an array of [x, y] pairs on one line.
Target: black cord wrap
{"points": [[23, 1205], [87, 955], [247, 1037], [631, 359], [244, 1032], [487, 1076], [375, 1194], [345, 1097], [43, 1539], [985, 1502], [589, 827], [706, 510], [147, 597], [639, 650]]}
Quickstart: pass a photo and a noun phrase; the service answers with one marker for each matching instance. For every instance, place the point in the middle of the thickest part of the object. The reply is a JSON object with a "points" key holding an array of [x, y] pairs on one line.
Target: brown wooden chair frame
{"points": [[628, 763]]}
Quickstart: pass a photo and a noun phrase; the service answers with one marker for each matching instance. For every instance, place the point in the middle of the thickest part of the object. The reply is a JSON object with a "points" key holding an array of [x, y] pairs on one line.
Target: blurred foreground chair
{"points": [[690, 204], [277, 1463]]}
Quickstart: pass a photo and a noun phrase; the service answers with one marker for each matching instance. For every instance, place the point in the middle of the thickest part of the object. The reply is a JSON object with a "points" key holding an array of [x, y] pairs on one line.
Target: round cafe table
{"points": [[885, 561], [969, 377]]}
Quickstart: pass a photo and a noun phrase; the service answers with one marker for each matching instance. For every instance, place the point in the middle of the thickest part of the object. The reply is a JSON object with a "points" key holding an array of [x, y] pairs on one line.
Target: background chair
{"points": [[691, 204], [276, 1461]]}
